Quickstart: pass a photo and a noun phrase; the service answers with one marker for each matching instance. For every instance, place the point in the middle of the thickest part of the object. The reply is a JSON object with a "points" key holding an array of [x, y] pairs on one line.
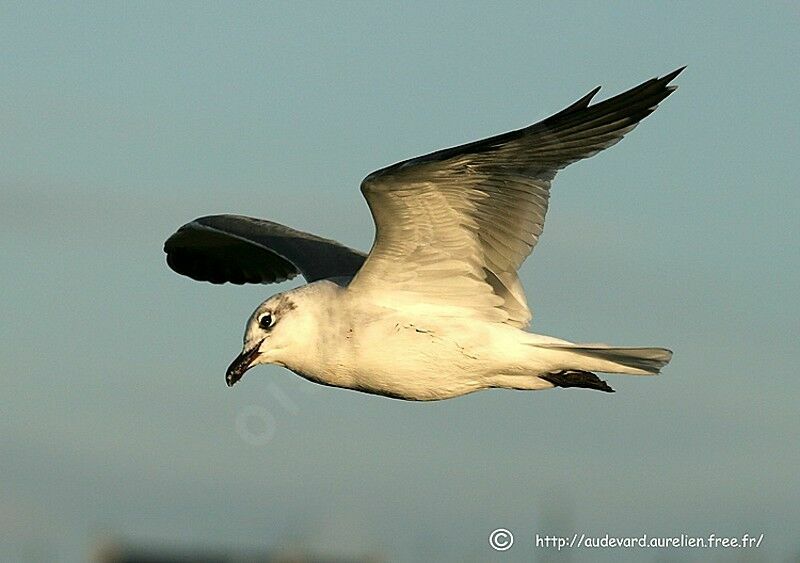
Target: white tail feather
{"points": [[599, 357]]}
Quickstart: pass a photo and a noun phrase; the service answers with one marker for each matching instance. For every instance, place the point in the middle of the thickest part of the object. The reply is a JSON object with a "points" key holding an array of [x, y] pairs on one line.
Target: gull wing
{"points": [[236, 249], [454, 226]]}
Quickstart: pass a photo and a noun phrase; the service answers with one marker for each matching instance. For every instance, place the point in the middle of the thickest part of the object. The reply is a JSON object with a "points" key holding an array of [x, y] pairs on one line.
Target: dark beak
{"points": [[241, 364]]}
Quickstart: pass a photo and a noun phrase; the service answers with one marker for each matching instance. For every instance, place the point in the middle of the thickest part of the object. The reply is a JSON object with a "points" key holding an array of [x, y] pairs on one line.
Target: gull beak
{"points": [[241, 364]]}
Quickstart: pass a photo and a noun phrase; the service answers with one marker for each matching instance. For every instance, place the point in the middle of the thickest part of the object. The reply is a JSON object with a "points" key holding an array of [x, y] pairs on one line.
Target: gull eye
{"points": [[266, 321]]}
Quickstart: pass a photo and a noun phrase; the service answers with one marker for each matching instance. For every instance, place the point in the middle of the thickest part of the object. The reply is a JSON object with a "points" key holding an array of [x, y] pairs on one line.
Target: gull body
{"points": [[333, 336], [436, 309]]}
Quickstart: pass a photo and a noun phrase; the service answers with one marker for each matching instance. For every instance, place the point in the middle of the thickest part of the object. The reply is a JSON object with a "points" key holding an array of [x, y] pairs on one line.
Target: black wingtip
{"points": [[584, 101], [671, 76], [667, 78], [580, 104]]}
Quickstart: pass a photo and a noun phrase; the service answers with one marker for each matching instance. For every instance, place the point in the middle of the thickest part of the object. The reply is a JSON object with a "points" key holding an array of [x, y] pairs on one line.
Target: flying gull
{"points": [[435, 310]]}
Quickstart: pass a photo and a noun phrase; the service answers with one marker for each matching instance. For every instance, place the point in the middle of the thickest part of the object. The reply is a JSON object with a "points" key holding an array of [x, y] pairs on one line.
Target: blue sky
{"points": [[121, 121]]}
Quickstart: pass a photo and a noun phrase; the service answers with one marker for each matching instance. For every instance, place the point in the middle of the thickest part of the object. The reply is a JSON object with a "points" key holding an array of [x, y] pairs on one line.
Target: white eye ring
{"points": [[266, 321]]}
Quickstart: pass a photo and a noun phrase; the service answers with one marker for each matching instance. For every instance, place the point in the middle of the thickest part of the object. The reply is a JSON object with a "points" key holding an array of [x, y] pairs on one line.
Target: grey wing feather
{"points": [[237, 249], [480, 207]]}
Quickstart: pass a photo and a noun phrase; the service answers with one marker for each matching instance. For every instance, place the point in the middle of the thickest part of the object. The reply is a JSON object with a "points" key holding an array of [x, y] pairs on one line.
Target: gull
{"points": [[435, 310]]}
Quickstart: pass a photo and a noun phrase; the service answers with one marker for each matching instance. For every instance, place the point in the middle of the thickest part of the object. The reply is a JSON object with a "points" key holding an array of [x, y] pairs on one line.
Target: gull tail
{"points": [[599, 357]]}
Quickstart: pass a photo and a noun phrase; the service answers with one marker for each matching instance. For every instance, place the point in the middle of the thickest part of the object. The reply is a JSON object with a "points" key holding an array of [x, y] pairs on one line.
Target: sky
{"points": [[121, 121]]}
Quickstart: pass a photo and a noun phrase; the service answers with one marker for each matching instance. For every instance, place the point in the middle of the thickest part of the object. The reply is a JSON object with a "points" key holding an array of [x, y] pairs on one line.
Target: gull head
{"points": [[274, 332]]}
